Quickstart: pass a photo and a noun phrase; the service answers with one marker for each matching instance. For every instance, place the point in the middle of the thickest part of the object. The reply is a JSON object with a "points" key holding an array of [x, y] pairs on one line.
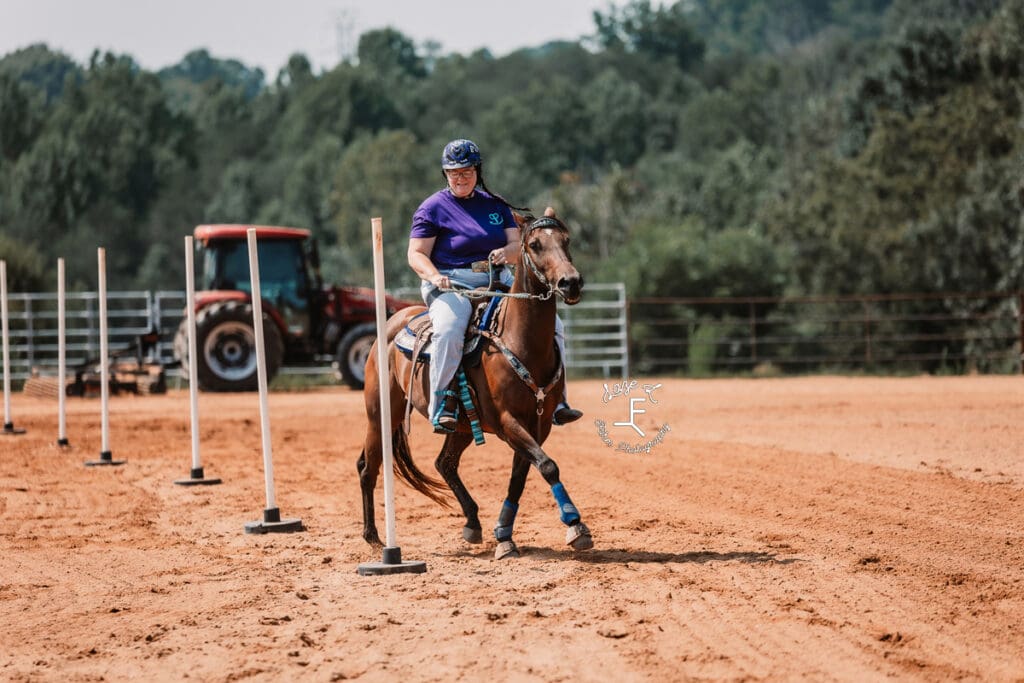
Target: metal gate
{"points": [[595, 328]]}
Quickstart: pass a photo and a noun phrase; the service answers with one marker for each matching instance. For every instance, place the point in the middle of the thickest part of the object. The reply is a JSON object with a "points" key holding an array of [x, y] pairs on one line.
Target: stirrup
{"points": [[564, 414], [446, 419]]}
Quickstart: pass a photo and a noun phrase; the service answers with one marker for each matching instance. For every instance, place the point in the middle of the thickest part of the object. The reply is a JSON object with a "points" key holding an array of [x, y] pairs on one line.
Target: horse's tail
{"points": [[431, 488]]}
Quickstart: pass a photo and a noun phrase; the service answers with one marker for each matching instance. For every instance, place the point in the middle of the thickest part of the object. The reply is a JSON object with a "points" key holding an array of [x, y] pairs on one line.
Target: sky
{"points": [[264, 33]]}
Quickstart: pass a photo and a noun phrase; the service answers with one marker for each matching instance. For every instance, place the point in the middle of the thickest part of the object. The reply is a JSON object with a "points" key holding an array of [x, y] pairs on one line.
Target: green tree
{"points": [[48, 71], [305, 197], [616, 110], [25, 266], [386, 175], [238, 198], [535, 136], [21, 117], [390, 53], [659, 32]]}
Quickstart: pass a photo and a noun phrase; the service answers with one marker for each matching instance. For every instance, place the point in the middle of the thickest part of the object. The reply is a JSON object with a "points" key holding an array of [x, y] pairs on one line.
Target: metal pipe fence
{"points": [[609, 335], [595, 329], [935, 333]]}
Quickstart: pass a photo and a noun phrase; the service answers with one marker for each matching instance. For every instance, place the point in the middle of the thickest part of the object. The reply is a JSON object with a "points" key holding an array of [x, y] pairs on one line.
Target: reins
{"points": [[539, 393], [490, 293]]}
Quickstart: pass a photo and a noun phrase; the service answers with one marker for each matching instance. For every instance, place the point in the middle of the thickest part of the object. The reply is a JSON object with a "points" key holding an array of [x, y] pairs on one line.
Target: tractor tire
{"points": [[226, 346], [353, 350]]}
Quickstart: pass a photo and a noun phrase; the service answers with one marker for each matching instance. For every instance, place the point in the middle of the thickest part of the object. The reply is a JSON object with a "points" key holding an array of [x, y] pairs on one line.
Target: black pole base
{"points": [[63, 443], [273, 524], [392, 563], [105, 459], [196, 478], [11, 430]]}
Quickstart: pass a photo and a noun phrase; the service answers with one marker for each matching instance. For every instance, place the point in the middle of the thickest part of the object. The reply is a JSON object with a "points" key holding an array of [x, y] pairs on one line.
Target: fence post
{"points": [[1020, 317], [30, 334], [153, 310], [753, 334], [629, 336], [867, 334], [90, 330]]}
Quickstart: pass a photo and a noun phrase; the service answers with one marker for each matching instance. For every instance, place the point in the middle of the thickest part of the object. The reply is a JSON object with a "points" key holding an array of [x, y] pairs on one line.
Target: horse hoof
{"points": [[472, 535], [578, 536], [506, 549]]}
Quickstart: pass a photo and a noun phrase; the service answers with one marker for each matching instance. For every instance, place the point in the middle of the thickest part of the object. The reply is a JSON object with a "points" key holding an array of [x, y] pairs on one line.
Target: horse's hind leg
{"points": [[447, 464], [509, 508], [368, 469], [368, 466]]}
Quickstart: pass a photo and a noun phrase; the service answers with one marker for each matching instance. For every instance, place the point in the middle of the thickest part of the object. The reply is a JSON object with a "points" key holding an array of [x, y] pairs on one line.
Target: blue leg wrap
{"points": [[569, 514], [506, 520]]}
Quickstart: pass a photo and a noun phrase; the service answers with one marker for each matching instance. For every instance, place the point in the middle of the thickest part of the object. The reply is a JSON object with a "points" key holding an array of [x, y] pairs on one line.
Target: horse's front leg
{"points": [[509, 508], [578, 535], [447, 464]]}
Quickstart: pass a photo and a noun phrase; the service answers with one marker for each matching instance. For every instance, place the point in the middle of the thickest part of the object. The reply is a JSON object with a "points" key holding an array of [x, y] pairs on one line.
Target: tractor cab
{"points": [[304, 322], [289, 275]]}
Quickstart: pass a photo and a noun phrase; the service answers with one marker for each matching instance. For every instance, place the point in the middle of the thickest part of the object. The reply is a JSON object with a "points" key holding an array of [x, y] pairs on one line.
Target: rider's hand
{"points": [[440, 281], [498, 257]]}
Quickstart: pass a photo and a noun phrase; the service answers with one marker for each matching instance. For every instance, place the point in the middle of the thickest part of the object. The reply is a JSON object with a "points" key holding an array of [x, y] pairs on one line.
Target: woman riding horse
{"points": [[453, 229], [517, 385]]}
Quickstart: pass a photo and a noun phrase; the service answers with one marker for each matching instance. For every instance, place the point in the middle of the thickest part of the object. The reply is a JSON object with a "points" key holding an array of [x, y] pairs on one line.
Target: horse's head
{"points": [[545, 255]]}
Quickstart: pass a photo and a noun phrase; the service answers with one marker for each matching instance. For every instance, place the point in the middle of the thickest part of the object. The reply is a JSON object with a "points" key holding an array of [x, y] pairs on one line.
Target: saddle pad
{"points": [[405, 340]]}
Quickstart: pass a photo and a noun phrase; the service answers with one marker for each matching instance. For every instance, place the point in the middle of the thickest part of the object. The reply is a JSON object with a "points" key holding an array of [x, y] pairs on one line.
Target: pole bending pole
{"points": [[8, 424], [105, 455], [62, 366], [196, 474], [392, 561], [271, 515]]}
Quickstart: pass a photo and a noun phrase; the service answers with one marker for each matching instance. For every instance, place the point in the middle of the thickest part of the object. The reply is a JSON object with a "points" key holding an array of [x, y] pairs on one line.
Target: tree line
{"points": [[699, 148]]}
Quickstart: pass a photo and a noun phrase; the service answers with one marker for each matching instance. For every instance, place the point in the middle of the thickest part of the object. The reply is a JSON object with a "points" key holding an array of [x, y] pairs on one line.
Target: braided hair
{"points": [[482, 184]]}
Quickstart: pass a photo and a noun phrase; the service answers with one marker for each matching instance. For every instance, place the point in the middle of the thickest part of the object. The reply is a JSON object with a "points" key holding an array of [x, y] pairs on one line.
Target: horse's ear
{"points": [[522, 219], [550, 212]]}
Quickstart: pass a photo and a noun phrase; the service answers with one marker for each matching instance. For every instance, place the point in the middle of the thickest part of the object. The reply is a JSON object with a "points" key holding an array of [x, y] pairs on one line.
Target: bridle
{"points": [[542, 222], [540, 393], [524, 257]]}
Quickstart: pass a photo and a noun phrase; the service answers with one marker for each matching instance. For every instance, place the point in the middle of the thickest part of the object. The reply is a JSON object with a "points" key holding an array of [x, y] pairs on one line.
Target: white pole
{"points": [[392, 562], [382, 369], [261, 366], [62, 431], [101, 257], [6, 344], [193, 363], [196, 476]]}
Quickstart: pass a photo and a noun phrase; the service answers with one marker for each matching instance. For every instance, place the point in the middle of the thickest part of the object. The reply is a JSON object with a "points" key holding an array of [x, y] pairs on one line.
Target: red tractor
{"points": [[304, 322]]}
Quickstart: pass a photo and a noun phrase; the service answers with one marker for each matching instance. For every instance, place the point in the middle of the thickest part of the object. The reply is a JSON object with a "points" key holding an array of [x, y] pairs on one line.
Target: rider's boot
{"points": [[564, 414], [446, 418]]}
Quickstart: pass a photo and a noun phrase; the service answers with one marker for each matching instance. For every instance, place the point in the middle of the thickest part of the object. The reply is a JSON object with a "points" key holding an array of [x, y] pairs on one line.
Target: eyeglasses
{"points": [[462, 175]]}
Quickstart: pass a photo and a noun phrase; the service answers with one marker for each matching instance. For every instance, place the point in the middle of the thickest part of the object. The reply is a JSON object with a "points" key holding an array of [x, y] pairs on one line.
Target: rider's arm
{"points": [[507, 254], [420, 249]]}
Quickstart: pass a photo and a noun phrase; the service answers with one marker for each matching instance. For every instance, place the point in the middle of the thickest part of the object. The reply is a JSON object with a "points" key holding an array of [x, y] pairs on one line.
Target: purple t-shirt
{"points": [[464, 230]]}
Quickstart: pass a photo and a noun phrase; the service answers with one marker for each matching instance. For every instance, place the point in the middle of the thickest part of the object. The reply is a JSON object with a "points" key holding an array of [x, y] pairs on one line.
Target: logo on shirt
{"points": [[495, 218]]}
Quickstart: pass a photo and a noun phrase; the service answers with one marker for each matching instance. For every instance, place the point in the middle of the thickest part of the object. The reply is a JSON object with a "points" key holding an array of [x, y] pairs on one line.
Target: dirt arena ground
{"points": [[812, 528]]}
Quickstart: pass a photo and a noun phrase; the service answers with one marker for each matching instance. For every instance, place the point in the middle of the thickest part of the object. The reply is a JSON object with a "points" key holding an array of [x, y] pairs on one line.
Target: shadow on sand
{"points": [[621, 556]]}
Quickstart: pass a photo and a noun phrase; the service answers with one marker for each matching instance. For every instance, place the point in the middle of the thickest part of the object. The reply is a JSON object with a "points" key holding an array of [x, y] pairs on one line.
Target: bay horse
{"points": [[515, 404]]}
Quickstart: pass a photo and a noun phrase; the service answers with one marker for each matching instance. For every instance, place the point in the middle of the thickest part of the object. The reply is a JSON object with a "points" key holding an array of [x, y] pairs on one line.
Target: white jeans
{"points": [[449, 314]]}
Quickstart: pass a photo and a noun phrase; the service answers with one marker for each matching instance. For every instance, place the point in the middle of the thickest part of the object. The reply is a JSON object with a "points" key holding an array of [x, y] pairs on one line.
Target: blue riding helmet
{"points": [[460, 154]]}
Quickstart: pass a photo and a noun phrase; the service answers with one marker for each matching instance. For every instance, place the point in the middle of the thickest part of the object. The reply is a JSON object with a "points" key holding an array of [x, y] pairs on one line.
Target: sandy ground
{"points": [[811, 528]]}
